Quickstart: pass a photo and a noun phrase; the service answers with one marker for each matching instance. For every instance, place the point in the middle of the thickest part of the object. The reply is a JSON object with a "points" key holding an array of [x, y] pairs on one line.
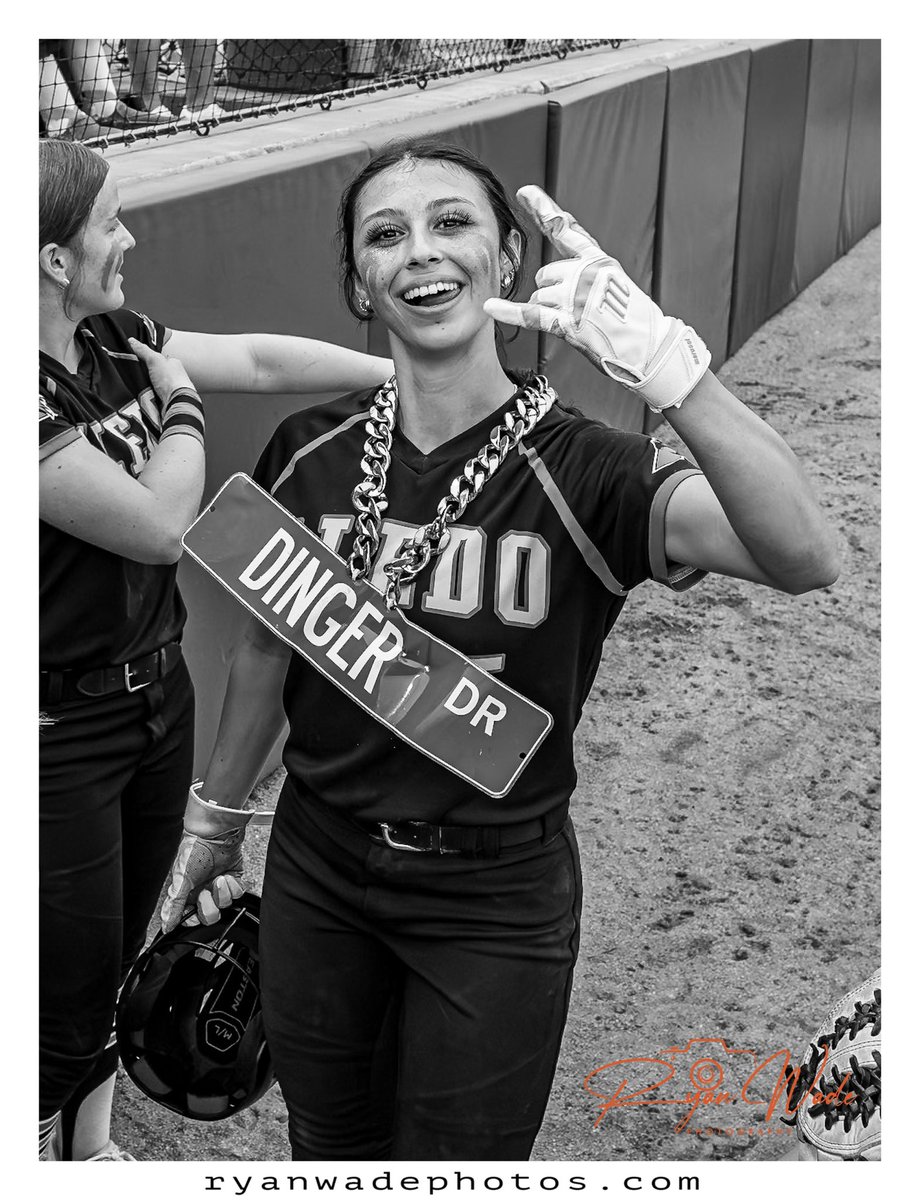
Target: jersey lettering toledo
{"points": [[98, 608], [529, 586]]}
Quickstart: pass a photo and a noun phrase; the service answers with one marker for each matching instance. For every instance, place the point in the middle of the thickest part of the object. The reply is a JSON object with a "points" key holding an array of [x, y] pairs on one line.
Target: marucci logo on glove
{"points": [[422, 689]]}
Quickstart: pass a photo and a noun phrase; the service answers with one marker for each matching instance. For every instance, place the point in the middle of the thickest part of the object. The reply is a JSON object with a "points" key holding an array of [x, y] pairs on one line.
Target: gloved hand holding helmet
{"points": [[208, 867]]}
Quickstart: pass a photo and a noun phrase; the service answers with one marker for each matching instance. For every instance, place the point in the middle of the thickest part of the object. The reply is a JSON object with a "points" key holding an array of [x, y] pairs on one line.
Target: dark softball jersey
{"points": [[97, 608], [535, 575]]}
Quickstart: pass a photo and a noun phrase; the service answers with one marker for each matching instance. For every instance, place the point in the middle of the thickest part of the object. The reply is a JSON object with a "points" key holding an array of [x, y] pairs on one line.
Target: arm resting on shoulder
{"points": [[273, 363], [754, 515]]}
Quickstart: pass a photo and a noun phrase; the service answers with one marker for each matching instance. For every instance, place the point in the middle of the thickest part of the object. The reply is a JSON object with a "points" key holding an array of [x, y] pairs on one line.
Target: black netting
{"points": [[114, 90]]}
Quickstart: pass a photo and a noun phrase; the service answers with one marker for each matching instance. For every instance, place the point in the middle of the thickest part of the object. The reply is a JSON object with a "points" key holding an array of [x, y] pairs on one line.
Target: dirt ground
{"points": [[729, 775]]}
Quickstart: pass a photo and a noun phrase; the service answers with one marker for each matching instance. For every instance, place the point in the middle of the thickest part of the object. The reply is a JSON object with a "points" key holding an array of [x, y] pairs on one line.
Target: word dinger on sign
{"points": [[421, 688]]}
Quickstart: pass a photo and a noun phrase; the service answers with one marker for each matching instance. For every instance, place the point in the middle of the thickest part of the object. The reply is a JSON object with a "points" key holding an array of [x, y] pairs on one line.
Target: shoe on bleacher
{"points": [[111, 1153], [127, 115], [211, 113]]}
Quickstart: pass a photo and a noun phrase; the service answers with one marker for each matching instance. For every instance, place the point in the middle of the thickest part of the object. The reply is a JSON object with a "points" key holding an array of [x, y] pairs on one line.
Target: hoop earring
{"points": [[64, 284], [507, 281], [365, 305]]}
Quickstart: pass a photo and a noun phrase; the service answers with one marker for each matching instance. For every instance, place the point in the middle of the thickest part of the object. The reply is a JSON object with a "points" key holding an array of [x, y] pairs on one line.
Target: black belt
{"points": [[57, 687], [470, 841]]}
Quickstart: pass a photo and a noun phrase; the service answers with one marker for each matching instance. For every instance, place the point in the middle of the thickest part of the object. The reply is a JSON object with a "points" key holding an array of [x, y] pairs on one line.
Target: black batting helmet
{"points": [[189, 1020]]}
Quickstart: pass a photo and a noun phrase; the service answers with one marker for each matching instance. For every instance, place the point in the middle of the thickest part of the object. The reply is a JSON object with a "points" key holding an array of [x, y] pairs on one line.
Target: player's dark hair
{"points": [[70, 178], [416, 150]]}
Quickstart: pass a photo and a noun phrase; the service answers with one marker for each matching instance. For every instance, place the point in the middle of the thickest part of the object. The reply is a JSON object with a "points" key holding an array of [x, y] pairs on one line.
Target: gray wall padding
{"points": [[824, 157], [862, 186], [770, 173], [700, 189], [603, 163]]}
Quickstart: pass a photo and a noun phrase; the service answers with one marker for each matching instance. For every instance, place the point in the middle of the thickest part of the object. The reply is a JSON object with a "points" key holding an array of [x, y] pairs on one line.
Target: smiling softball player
{"points": [[419, 934]]}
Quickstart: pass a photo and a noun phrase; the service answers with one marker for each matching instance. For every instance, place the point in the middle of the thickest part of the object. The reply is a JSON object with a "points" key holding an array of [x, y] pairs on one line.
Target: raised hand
{"points": [[588, 300]]}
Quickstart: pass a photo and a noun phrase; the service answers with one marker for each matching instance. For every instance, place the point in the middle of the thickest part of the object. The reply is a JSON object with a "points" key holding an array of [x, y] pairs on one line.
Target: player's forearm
{"points": [[174, 475], [91, 497], [273, 363], [295, 364], [761, 486], [251, 722]]}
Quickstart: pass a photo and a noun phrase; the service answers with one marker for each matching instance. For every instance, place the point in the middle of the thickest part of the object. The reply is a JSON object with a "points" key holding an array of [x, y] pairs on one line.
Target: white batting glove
{"points": [[208, 866], [589, 300]]}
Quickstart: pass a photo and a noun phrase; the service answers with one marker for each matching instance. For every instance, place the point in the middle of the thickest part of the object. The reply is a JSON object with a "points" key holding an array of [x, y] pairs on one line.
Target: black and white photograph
{"points": [[459, 748]]}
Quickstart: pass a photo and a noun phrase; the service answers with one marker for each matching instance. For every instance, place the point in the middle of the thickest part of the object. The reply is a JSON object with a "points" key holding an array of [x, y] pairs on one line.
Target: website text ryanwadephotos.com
{"points": [[454, 1182]]}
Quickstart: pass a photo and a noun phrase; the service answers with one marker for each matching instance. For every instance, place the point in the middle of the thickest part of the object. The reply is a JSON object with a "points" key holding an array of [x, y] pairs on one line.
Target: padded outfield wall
{"points": [[725, 178]]}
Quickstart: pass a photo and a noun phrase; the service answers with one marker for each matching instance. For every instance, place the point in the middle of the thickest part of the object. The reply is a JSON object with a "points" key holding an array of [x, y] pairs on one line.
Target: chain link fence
{"points": [[112, 91]]}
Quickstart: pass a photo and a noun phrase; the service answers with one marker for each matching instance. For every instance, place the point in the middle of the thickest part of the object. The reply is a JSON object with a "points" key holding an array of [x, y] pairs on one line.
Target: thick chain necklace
{"points": [[369, 497]]}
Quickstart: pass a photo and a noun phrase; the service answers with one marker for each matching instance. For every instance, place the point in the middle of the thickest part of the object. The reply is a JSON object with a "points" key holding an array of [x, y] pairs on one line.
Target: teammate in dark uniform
{"points": [[121, 449], [419, 936]]}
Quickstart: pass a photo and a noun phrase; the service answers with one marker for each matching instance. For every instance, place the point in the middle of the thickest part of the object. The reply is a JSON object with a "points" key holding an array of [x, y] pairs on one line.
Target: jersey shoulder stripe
{"points": [[150, 326], [611, 481], [589, 552], [109, 328], [309, 429], [315, 444]]}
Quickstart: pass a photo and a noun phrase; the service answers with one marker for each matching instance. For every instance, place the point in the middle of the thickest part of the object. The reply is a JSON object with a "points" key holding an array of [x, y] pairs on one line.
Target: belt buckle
{"points": [[129, 686], [391, 841]]}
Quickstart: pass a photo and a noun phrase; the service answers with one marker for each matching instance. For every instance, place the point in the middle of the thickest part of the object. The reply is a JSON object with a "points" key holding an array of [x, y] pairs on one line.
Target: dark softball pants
{"points": [[114, 774], [414, 1004]]}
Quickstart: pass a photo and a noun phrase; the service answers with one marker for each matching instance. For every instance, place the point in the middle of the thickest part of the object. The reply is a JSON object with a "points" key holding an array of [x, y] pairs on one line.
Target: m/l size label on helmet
{"points": [[419, 687]]}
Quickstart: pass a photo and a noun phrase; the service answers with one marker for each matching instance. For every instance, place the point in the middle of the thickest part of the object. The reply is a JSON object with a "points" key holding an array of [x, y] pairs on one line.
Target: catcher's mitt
{"points": [[836, 1095]]}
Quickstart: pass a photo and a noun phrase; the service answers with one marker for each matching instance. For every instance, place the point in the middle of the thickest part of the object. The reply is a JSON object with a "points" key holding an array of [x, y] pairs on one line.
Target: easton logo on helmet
{"points": [[234, 1002]]}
